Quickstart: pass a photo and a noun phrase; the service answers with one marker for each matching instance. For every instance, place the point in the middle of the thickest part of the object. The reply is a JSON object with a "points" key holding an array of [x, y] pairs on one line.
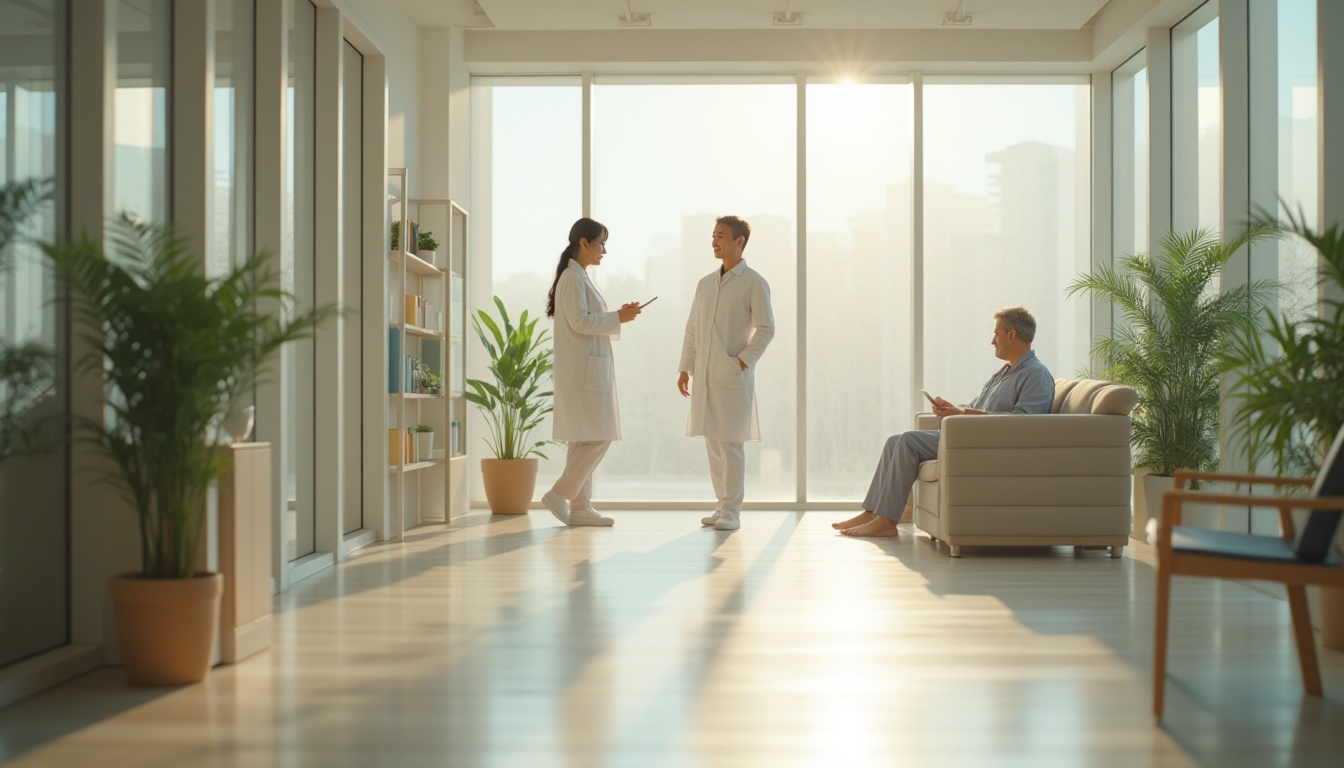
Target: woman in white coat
{"points": [[586, 414]]}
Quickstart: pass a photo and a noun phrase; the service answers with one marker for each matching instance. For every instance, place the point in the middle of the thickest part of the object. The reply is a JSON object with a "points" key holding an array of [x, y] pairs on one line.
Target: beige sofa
{"points": [[1057, 478]]}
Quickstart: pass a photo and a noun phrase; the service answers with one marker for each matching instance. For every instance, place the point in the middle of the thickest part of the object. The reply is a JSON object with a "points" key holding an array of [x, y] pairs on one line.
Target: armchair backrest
{"points": [[1093, 396], [1315, 536]]}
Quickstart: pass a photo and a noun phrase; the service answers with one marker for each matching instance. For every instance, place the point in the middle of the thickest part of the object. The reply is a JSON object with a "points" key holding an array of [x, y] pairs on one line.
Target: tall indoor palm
{"points": [[1172, 321], [1289, 380]]}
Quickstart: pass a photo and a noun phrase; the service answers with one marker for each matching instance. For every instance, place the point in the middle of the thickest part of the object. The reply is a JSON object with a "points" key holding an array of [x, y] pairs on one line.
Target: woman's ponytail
{"points": [[583, 229]]}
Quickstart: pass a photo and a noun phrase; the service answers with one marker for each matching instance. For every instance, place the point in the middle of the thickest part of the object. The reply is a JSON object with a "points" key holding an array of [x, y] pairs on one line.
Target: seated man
{"points": [[1024, 385]]}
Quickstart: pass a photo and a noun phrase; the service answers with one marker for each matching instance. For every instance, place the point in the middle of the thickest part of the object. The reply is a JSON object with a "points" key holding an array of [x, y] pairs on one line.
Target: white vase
{"points": [[424, 446], [238, 424], [427, 256]]}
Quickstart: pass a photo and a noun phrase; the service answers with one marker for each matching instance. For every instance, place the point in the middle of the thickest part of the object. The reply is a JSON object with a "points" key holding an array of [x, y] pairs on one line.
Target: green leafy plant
{"points": [[1289, 379], [426, 242], [1173, 322], [423, 428], [176, 350], [396, 235], [433, 382], [514, 403], [27, 369]]}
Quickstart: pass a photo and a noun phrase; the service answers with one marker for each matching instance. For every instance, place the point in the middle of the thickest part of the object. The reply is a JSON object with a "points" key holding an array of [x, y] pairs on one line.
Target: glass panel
{"points": [[1006, 222], [1197, 175], [352, 245], [144, 72], [859, 138], [1130, 162], [534, 135], [297, 263], [232, 161], [1299, 127], [34, 508], [667, 161]]}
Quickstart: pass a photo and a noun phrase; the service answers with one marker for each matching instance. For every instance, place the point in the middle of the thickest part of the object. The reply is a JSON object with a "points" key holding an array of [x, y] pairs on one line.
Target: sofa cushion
{"points": [[928, 471], [1093, 396]]}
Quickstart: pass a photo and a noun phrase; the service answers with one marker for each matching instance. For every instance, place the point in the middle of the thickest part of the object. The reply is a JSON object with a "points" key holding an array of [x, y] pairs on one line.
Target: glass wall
{"points": [[231, 164], [297, 263], [668, 159], [144, 75], [1129, 158], [34, 471], [1196, 122], [1007, 191], [859, 185]]}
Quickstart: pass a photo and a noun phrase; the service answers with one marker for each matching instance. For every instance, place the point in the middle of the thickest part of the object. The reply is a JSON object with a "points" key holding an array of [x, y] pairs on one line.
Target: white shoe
{"points": [[588, 517], [558, 506], [728, 521], [712, 519]]}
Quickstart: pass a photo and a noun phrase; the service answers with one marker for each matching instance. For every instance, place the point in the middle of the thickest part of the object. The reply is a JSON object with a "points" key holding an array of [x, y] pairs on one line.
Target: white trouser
{"points": [[728, 473], [576, 482]]}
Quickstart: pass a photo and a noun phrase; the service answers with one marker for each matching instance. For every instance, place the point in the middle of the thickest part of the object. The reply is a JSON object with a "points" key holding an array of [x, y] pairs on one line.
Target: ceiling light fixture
{"points": [[788, 18], [957, 18], [632, 19]]}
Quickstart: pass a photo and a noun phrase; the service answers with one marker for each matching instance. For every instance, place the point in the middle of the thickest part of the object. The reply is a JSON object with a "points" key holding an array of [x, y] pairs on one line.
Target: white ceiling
{"points": [[556, 15]]}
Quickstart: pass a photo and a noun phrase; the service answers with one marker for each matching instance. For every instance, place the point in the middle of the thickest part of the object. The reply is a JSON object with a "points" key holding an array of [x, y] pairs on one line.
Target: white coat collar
{"points": [[736, 271]]}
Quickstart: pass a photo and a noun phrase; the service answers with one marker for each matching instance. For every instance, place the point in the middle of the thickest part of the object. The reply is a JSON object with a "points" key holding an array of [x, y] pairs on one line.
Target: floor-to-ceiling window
{"points": [[352, 241], [231, 163], [668, 159], [1006, 222], [1196, 122], [859, 291], [34, 472], [1129, 157], [297, 264], [1006, 192], [140, 168]]}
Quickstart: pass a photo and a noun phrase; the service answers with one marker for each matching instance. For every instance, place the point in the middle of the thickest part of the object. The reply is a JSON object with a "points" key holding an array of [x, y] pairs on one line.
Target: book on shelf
{"points": [[393, 356]]}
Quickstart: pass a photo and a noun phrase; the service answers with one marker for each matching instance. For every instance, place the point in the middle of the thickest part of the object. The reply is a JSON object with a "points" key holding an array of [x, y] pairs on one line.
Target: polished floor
{"points": [[515, 642]]}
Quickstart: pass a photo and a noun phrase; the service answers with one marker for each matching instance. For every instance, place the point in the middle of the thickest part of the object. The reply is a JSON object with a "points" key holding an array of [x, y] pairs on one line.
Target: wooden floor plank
{"points": [[515, 642]]}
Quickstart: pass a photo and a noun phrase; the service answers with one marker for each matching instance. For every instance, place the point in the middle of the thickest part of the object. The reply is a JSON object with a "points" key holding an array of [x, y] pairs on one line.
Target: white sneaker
{"points": [[558, 506], [728, 521], [712, 519], [588, 517]]}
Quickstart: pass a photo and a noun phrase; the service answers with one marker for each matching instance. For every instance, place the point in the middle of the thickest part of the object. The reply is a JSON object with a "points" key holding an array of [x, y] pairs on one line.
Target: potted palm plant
{"points": [[176, 351], [1288, 385], [513, 404], [1173, 322]]}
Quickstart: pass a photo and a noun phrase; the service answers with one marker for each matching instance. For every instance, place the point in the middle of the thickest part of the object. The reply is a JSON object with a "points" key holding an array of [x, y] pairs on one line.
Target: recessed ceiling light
{"points": [[635, 20], [783, 19]]}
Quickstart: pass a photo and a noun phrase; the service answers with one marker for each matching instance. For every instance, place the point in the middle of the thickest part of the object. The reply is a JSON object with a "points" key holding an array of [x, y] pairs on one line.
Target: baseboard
{"points": [[39, 673], [249, 639]]}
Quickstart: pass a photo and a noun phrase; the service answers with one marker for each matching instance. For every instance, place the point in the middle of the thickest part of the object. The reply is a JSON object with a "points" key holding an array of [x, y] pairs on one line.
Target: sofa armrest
{"points": [[926, 420]]}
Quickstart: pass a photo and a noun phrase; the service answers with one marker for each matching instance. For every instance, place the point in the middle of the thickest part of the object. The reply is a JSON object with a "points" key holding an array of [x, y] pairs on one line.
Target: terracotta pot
{"points": [[509, 484], [166, 628]]}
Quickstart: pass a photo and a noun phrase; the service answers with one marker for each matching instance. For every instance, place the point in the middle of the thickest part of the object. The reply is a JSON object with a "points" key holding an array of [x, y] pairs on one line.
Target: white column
{"points": [[1159, 137], [1105, 135], [192, 103], [375, 290], [328, 356], [800, 415]]}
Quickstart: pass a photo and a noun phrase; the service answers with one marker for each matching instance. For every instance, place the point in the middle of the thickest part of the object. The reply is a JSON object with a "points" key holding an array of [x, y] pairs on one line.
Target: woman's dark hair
{"points": [[583, 229]]}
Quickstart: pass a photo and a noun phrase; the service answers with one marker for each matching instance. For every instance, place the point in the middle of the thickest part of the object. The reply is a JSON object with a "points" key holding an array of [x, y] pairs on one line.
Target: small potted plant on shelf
{"points": [[1166, 347], [433, 383], [513, 404], [426, 247], [424, 441], [177, 351]]}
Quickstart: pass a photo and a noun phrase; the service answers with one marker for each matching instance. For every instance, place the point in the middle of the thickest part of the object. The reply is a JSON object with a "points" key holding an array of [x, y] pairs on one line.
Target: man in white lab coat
{"points": [[730, 326]]}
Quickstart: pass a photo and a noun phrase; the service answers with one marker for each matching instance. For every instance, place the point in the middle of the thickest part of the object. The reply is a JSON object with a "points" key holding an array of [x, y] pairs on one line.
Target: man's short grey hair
{"points": [[1017, 319]]}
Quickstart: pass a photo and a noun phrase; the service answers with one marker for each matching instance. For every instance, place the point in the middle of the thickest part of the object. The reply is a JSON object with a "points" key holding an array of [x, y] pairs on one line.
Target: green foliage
{"points": [[27, 370], [426, 242], [1289, 380], [396, 236], [176, 350], [423, 428], [1173, 322], [433, 382], [514, 403]]}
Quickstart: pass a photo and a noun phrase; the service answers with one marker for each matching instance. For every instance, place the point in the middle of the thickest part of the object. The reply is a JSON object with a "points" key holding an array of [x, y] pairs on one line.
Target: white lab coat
{"points": [[730, 318], [584, 374]]}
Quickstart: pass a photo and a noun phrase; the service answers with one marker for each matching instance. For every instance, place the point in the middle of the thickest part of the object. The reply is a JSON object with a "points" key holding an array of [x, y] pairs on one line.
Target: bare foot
{"points": [[856, 520], [875, 528]]}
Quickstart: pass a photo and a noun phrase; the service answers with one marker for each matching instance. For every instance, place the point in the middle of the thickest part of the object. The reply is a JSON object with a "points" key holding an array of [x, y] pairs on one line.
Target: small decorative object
{"points": [[424, 442], [426, 247], [238, 424], [396, 236], [433, 382]]}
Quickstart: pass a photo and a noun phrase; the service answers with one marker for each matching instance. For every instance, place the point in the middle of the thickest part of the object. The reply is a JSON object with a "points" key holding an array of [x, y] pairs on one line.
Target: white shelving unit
{"points": [[417, 318]]}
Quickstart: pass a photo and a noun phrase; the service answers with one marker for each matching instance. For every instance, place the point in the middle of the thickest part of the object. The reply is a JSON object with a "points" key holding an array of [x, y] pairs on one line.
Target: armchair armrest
{"points": [[1174, 501], [926, 420], [1185, 475], [1051, 430]]}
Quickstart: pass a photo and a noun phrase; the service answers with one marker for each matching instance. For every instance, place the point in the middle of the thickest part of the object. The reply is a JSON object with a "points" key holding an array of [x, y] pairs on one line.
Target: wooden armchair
{"points": [[1297, 559]]}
